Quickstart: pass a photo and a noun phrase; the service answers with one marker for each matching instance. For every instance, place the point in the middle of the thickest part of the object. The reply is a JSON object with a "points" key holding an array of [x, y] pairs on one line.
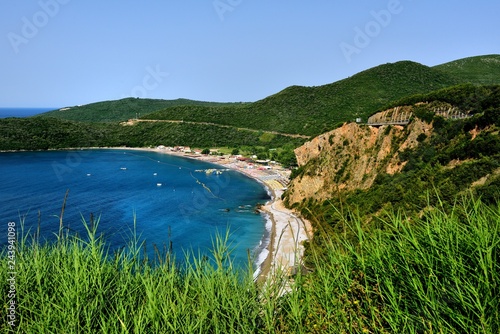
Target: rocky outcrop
{"points": [[393, 116], [351, 157], [402, 114]]}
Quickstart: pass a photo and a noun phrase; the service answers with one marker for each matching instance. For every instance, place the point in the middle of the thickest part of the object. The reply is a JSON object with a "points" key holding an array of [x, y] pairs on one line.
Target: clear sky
{"points": [[57, 53]]}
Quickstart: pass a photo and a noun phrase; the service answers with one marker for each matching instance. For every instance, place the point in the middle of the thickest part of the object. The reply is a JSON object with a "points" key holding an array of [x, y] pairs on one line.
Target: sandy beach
{"points": [[289, 230]]}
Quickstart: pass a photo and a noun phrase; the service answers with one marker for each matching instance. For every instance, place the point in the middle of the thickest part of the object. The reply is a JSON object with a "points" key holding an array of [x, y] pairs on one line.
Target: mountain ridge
{"points": [[122, 110], [310, 110], [314, 110]]}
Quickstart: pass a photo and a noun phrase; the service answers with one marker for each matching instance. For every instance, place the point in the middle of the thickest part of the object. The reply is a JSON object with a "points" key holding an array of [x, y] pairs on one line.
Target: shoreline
{"points": [[285, 250], [288, 231]]}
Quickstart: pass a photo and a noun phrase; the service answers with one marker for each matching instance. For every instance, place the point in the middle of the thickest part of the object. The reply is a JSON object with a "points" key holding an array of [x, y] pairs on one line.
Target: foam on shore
{"points": [[262, 250]]}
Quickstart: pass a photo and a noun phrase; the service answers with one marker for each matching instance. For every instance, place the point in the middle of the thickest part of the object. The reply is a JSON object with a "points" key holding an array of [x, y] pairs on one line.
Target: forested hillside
{"points": [[121, 110], [302, 110], [484, 70], [42, 133], [314, 110], [430, 161], [306, 111]]}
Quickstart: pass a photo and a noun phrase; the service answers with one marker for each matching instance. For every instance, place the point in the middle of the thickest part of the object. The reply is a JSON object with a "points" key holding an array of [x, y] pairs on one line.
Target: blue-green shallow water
{"points": [[164, 193]]}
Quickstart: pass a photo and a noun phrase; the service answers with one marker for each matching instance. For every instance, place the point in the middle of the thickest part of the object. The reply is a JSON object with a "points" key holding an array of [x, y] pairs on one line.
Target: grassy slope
{"points": [[435, 274], [121, 110], [483, 70], [314, 110]]}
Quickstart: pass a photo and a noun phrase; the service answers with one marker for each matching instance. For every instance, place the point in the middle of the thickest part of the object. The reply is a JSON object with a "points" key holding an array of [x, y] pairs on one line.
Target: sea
{"points": [[166, 202], [22, 112]]}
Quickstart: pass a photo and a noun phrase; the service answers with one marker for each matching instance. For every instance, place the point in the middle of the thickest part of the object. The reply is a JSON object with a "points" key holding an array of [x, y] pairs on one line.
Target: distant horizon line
{"points": [[50, 108], [214, 101]]}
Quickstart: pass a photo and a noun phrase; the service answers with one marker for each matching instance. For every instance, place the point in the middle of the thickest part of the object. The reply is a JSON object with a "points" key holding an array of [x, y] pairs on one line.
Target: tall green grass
{"points": [[436, 274], [74, 286]]}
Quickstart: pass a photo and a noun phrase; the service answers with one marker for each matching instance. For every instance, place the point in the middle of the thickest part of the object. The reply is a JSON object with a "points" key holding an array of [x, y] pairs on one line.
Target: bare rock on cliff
{"points": [[351, 157]]}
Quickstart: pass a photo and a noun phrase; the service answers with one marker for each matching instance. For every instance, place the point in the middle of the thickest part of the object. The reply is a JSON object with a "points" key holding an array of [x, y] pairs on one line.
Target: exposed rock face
{"points": [[396, 115], [351, 157], [402, 114]]}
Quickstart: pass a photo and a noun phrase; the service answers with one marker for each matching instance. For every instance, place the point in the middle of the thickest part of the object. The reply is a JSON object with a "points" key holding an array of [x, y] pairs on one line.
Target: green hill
{"points": [[120, 110], [314, 110], [433, 158], [303, 110], [300, 110], [42, 133], [484, 70]]}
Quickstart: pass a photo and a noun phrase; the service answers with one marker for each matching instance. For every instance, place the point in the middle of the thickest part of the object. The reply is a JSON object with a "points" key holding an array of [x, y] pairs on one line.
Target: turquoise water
{"points": [[167, 197]]}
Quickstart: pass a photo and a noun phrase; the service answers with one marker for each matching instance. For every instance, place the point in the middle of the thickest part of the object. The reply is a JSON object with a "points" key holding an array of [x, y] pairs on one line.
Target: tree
{"points": [[235, 152], [262, 156], [206, 151], [287, 158]]}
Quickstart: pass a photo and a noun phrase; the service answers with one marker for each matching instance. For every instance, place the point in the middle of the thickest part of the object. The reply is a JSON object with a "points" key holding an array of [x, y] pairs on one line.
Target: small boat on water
{"points": [[158, 184]]}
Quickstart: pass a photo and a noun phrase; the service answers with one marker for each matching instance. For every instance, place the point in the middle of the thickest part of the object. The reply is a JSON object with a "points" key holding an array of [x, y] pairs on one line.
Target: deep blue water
{"points": [[162, 193], [22, 112]]}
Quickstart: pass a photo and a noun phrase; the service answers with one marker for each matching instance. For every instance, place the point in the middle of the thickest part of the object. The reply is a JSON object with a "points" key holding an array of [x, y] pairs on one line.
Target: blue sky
{"points": [[57, 53]]}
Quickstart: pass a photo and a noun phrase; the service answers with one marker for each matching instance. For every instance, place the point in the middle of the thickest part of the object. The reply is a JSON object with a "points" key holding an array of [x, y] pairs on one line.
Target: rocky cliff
{"points": [[351, 157]]}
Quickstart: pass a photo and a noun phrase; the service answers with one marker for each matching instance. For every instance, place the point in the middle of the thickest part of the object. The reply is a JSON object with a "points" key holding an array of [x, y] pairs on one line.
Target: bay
{"points": [[164, 199]]}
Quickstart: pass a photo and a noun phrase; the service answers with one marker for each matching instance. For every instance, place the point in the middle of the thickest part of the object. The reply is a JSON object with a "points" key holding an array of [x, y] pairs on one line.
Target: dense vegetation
{"points": [[483, 70], [467, 97], [448, 162], [436, 274], [41, 133], [295, 110], [121, 110], [314, 110]]}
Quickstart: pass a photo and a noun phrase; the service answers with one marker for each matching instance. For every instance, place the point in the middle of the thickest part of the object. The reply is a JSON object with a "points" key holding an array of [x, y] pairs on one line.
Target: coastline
{"points": [[288, 231]]}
